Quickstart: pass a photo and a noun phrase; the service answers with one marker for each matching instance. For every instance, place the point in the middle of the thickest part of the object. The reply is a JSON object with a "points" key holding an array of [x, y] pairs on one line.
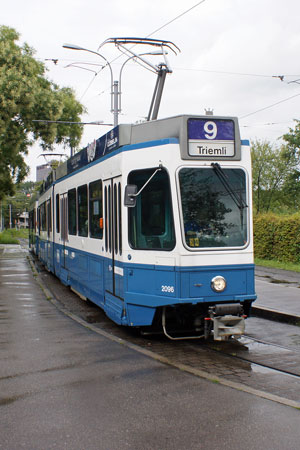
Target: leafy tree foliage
{"points": [[291, 189], [293, 140], [12, 207], [27, 95], [274, 176]]}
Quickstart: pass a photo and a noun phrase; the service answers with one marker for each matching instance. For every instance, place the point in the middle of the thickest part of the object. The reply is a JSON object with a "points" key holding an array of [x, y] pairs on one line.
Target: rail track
{"points": [[256, 366], [264, 354]]}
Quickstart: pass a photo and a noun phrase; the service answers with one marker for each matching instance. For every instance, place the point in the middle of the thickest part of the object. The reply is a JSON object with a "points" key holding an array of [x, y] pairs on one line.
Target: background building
{"points": [[42, 172]]}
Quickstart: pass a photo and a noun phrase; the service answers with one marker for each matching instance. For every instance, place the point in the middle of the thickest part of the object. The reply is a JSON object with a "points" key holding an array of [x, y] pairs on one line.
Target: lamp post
{"points": [[161, 70], [10, 218], [114, 84]]}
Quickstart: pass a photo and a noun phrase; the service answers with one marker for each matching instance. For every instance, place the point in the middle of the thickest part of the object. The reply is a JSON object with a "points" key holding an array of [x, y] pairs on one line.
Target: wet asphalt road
{"points": [[64, 387]]}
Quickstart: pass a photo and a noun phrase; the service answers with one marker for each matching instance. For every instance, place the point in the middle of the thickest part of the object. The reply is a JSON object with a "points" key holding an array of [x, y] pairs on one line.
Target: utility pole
{"points": [[10, 223], [1, 219]]}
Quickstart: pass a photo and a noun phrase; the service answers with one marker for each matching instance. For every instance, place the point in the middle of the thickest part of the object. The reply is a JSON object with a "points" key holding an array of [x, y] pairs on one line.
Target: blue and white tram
{"points": [[153, 223]]}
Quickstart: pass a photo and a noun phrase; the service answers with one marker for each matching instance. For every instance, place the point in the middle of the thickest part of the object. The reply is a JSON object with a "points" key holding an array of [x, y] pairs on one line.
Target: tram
{"points": [[153, 223]]}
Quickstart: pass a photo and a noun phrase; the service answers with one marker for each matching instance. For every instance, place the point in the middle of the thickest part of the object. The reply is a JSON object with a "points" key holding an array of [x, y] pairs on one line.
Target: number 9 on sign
{"points": [[210, 129]]}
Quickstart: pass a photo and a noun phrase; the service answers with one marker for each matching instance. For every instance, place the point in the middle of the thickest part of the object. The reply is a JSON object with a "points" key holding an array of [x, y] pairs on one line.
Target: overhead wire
{"points": [[229, 73], [151, 34], [281, 77], [266, 124], [175, 18], [270, 106]]}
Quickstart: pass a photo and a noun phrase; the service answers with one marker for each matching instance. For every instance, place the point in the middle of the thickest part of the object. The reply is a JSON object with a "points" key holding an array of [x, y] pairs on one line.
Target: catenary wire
{"points": [[175, 18], [151, 34], [270, 106], [222, 72]]}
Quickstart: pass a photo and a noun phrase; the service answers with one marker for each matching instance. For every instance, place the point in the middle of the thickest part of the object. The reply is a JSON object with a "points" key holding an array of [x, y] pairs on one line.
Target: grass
{"points": [[277, 264], [12, 236]]}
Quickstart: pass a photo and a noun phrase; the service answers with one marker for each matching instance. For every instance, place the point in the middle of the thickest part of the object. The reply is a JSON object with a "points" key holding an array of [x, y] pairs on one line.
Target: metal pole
{"points": [[116, 102], [10, 216], [1, 228]]}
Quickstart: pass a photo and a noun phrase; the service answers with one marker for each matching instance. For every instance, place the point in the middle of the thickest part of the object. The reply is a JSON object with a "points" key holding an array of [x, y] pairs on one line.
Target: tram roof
{"points": [[129, 134]]}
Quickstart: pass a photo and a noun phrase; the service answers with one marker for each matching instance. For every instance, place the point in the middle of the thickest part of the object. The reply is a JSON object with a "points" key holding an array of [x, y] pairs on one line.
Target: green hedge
{"points": [[277, 237]]}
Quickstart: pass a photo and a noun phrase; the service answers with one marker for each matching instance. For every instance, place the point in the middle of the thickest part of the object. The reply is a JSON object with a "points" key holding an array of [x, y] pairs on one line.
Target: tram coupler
{"points": [[226, 320]]}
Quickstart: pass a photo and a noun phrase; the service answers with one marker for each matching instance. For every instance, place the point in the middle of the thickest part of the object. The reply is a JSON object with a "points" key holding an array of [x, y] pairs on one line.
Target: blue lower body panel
{"points": [[134, 294], [114, 308]]}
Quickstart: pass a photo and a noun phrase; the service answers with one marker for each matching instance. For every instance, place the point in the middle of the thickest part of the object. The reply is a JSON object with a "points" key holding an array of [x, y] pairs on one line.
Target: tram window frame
{"points": [[82, 209], [106, 219], [38, 220], [49, 216], [43, 220], [72, 212], [120, 217], [155, 197], [115, 221], [109, 222], [96, 209], [57, 213]]}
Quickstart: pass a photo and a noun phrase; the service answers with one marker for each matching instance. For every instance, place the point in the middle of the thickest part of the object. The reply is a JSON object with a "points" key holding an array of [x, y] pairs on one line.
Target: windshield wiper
{"points": [[240, 203]]}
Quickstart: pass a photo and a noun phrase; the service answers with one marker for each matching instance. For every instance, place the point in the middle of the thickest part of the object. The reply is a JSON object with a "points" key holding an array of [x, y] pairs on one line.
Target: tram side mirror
{"points": [[130, 195]]}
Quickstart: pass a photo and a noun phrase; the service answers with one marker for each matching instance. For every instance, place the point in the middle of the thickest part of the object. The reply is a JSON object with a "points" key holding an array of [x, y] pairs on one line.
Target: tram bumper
{"points": [[226, 320]]}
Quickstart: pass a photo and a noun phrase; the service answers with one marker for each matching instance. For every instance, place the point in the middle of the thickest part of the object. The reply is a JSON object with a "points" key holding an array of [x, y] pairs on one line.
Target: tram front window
{"points": [[214, 207], [151, 220]]}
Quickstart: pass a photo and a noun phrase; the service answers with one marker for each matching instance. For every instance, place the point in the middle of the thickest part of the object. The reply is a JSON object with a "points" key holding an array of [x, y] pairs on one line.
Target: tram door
{"points": [[113, 236], [63, 226]]}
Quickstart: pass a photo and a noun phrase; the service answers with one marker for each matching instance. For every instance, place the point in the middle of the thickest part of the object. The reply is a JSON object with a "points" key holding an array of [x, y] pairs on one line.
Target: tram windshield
{"points": [[214, 207]]}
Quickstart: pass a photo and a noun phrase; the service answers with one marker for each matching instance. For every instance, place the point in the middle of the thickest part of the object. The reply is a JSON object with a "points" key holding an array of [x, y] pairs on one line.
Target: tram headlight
{"points": [[218, 284]]}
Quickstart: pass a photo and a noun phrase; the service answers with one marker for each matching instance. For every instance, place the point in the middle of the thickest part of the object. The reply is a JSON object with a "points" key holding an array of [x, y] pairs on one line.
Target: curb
{"points": [[273, 314]]}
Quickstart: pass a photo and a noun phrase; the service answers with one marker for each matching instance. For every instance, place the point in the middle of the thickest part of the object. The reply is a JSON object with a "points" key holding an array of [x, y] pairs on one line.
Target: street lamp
{"points": [[114, 84], [161, 70]]}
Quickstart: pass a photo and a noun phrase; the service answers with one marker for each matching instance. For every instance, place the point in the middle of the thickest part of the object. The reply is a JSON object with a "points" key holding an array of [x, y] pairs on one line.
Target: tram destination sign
{"points": [[211, 138]]}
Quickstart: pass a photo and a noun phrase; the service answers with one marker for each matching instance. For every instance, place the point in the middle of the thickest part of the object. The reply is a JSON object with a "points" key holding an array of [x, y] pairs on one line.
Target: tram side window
{"points": [[49, 217], [120, 218], [43, 217], [38, 220], [96, 209], [72, 211], [57, 214], [82, 209], [151, 220]]}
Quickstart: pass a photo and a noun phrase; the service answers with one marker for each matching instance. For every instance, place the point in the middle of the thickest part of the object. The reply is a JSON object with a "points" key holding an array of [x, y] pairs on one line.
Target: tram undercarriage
{"points": [[220, 321]]}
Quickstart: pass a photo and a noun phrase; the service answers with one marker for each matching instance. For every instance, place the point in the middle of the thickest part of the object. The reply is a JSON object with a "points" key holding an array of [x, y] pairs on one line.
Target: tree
{"points": [[293, 140], [273, 169], [12, 207], [27, 95], [292, 185]]}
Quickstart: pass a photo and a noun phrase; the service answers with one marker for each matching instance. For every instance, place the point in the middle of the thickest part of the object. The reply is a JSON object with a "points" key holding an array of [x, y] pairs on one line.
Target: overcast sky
{"points": [[232, 53]]}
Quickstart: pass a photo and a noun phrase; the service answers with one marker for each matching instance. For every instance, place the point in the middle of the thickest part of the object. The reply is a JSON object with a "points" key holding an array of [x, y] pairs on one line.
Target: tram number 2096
{"points": [[167, 289]]}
